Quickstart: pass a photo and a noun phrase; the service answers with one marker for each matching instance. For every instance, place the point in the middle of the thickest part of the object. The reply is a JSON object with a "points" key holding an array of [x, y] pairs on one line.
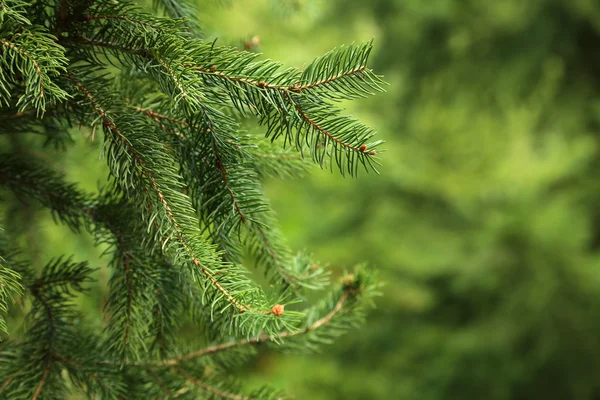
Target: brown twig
{"points": [[42, 381], [260, 339]]}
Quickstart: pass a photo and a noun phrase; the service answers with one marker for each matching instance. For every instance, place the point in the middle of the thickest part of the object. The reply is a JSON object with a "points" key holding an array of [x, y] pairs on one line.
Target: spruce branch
{"points": [[253, 341], [187, 248], [241, 193], [184, 208], [346, 304], [296, 110], [30, 57]]}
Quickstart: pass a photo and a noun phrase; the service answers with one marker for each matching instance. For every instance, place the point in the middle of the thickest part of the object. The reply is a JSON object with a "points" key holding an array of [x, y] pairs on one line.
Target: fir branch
{"points": [[183, 240], [31, 56], [282, 109], [252, 341], [355, 293]]}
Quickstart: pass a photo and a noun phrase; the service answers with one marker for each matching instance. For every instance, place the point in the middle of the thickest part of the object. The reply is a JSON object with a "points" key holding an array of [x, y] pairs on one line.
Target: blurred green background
{"points": [[485, 220]]}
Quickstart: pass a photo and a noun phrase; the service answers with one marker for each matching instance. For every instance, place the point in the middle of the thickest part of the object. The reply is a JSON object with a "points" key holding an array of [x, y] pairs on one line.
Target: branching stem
{"points": [[28, 56], [109, 124], [254, 341]]}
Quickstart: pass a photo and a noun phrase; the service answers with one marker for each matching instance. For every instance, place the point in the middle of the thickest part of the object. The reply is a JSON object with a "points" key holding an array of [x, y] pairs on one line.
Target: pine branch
{"points": [[184, 205], [356, 293], [298, 106], [187, 248], [30, 57]]}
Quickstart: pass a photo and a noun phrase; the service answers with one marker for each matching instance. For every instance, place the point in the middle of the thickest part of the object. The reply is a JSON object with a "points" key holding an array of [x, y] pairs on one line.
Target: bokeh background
{"points": [[484, 222]]}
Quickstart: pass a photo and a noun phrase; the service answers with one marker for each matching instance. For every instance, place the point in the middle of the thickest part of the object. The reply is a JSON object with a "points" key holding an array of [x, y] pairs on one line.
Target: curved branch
{"points": [[254, 341]]}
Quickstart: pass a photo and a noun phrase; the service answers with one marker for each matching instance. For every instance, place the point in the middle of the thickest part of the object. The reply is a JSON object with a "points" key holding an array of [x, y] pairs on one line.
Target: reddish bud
{"points": [[277, 310]]}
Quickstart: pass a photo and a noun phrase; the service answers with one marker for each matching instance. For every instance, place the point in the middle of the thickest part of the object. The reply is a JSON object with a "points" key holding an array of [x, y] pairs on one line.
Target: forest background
{"points": [[484, 222]]}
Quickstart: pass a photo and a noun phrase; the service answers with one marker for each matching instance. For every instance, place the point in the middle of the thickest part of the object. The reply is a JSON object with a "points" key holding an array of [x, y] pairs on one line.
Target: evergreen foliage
{"points": [[183, 208]]}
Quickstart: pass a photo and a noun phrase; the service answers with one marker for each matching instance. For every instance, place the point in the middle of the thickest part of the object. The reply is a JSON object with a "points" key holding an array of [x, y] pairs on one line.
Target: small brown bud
{"points": [[277, 310], [262, 84], [213, 68], [314, 267], [372, 153], [255, 40], [362, 148], [248, 45]]}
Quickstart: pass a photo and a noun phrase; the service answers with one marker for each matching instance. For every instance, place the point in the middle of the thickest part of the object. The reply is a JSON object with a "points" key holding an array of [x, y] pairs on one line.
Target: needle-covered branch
{"points": [[345, 307], [30, 60], [182, 212]]}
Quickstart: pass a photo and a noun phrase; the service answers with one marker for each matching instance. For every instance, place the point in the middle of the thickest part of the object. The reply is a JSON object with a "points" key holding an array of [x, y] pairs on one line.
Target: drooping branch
{"points": [[110, 125]]}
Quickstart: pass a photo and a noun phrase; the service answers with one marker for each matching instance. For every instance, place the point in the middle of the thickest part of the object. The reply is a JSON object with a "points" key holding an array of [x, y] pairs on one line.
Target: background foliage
{"points": [[484, 220]]}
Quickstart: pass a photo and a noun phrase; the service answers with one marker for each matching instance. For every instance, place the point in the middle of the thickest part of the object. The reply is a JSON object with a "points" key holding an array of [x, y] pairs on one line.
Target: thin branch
{"points": [[156, 116], [7, 382], [27, 55], [253, 341], [297, 88], [42, 381], [322, 130]]}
